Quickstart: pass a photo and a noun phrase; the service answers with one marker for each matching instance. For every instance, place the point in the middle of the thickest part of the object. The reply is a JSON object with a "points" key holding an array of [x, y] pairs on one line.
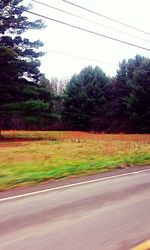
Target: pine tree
{"points": [[19, 64], [84, 99]]}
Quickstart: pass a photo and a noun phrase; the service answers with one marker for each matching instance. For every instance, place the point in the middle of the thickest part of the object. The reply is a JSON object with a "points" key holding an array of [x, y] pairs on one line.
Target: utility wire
{"points": [[88, 31], [89, 20], [109, 18], [80, 57]]}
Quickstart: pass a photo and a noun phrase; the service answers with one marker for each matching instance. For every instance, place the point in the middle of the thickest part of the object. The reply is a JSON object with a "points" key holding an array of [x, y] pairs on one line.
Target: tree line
{"points": [[89, 101], [94, 101]]}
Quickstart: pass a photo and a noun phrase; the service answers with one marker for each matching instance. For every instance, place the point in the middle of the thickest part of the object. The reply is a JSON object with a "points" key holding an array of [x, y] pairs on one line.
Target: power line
{"points": [[88, 31], [109, 18], [80, 57], [89, 20]]}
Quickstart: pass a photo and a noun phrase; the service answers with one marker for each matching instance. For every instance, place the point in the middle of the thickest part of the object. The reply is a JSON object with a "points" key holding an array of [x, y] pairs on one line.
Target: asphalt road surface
{"points": [[108, 214]]}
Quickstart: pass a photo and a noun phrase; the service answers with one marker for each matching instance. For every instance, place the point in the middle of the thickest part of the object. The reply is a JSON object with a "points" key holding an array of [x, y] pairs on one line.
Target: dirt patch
{"points": [[16, 142], [20, 139], [6, 145]]}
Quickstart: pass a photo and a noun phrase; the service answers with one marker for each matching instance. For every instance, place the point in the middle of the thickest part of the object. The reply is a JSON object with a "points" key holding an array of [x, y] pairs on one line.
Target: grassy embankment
{"points": [[25, 162]]}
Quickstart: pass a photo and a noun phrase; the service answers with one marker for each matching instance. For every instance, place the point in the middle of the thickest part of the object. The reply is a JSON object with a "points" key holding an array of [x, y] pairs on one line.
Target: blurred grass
{"points": [[63, 154]]}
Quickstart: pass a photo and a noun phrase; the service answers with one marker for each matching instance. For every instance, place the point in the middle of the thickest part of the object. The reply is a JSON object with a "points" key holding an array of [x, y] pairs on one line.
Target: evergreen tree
{"points": [[116, 92], [84, 98], [138, 101], [129, 93], [19, 64]]}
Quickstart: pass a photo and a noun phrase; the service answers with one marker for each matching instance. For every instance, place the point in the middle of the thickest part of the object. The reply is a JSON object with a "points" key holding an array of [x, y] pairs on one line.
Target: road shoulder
{"points": [[68, 181]]}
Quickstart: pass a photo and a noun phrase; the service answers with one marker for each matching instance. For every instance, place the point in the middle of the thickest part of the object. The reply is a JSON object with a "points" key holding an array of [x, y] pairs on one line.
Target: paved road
{"points": [[111, 214]]}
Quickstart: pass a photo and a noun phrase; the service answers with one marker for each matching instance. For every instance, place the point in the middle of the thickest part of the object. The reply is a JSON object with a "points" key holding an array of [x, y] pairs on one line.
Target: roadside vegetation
{"points": [[89, 101], [28, 158]]}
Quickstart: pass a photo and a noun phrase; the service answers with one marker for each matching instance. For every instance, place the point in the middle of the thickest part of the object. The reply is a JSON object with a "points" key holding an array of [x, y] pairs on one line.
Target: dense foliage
{"points": [[23, 102], [85, 97], [90, 101], [130, 96], [121, 104]]}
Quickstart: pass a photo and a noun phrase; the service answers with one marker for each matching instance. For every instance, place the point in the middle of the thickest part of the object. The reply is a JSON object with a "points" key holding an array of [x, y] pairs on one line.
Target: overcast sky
{"points": [[60, 38]]}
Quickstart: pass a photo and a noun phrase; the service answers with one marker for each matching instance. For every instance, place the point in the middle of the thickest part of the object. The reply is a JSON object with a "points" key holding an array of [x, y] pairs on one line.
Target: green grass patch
{"points": [[24, 163]]}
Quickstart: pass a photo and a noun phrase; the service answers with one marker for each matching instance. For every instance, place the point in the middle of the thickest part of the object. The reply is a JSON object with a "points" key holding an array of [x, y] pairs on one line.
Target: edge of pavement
{"points": [[143, 246], [69, 181]]}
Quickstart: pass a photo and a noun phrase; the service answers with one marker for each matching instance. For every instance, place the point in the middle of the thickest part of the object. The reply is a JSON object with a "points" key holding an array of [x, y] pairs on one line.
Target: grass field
{"points": [[27, 158]]}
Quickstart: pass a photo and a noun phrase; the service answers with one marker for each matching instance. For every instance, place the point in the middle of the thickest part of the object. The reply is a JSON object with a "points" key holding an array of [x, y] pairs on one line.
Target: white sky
{"points": [[58, 37]]}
